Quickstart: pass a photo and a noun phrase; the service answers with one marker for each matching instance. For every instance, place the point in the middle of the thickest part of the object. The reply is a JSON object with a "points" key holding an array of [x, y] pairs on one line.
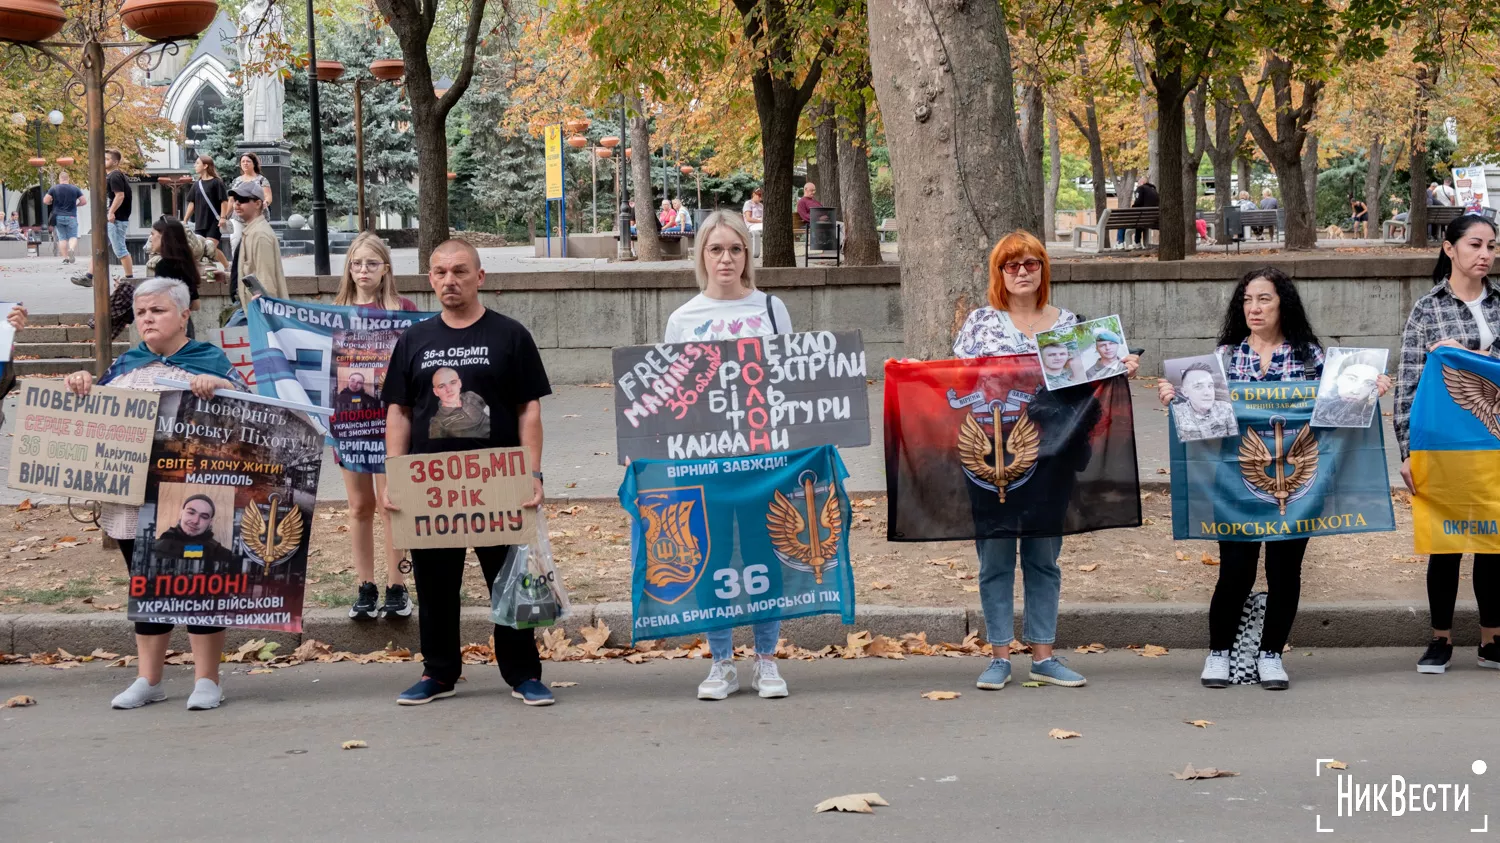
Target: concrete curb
{"points": [[1350, 624]]}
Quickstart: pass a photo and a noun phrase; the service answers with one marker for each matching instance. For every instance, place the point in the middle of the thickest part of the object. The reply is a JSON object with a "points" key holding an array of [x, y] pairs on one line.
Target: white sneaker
{"points": [[1216, 669], [138, 694], [1272, 673], [723, 680], [206, 694], [767, 679]]}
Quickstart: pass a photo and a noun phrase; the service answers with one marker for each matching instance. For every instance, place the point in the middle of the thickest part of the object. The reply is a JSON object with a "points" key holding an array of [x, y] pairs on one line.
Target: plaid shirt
{"points": [[1241, 363], [1439, 315]]}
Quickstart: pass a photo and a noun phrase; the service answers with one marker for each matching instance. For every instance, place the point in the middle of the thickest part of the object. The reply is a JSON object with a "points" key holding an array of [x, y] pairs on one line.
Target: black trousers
{"points": [[1442, 588], [1237, 561], [127, 547], [439, 576]]}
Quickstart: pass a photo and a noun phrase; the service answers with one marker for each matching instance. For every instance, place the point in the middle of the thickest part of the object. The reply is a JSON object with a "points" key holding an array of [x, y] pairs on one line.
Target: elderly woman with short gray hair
{"points": [[162, 310]]}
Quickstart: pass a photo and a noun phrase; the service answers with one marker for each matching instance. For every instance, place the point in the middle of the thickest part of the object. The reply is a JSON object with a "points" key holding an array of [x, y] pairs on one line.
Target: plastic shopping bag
{"points": [[529, 593]]}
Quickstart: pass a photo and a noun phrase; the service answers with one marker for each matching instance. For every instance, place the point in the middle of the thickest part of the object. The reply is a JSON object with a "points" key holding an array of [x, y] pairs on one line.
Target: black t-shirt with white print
{"points": [[463, 385]]}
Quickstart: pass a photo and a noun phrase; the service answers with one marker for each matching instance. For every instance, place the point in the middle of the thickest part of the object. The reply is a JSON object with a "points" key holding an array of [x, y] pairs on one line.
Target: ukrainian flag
{"points": [[1455, 454], [192, 551]]}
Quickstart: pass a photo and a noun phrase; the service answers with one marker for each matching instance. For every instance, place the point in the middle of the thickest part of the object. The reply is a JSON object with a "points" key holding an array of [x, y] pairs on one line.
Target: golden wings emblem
{"points": [[1479, 395], [672, 553], [1256, 459], [786, 524], [274, 535], [975, 449]]}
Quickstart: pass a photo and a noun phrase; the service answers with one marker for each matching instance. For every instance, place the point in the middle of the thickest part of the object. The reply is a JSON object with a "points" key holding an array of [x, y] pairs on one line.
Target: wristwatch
{"points": [[538, 476]]}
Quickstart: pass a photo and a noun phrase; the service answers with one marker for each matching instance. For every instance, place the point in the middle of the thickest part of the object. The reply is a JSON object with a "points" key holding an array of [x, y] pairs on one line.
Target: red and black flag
{"points": [[982, 449]]}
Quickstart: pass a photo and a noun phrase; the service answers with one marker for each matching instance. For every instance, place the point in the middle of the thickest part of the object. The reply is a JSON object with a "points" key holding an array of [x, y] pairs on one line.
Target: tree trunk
{"points": [[1284, 148], [1192, 157], [1149, 107], [1090, 130], [1222, 154], [1310, 177], [647, 244], [949, 115], [861, 240], [1372, 185], [1172, 129], [1244, 167], [778, 126], [1033, 143], [828, 160], [1054, 177], [1416, 219]]}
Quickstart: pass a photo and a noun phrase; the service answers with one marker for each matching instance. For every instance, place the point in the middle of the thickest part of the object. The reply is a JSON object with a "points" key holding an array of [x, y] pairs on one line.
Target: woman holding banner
{"points": [[730, 308], [161, 316], [1020, 285], [1462, 311], [370, 282]]}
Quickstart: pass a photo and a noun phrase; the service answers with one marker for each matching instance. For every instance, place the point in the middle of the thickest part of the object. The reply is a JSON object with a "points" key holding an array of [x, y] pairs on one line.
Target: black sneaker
{"points": [[1489, 655], [397, 602], [1439, 654], [84, 280], [364, 605]]}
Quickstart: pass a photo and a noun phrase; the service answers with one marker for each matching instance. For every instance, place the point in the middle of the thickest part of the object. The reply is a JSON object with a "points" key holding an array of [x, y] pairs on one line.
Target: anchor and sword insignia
{"points": [[273, 535], [975, 448], [786, 523], [1255, 459]]}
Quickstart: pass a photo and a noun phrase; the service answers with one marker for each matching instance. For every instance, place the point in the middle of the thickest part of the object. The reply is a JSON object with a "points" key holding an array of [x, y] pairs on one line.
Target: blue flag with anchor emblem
{"points": [[1280, 478], [725, 542]]}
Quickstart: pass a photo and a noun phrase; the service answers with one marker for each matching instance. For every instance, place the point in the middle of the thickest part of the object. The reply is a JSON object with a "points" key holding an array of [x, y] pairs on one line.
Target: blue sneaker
{"points": [[1055, 672], [533, 692], [426, 691], [995, 676]]}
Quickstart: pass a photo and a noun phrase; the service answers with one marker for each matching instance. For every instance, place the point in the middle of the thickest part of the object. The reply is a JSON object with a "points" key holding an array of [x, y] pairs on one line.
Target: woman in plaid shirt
{"points": [[1266, 336], [1462, 311]]}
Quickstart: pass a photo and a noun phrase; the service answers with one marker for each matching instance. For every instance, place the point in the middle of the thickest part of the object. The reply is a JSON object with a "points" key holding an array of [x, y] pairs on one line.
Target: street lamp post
{"points": [[382, 70], [622, 178], [319, 201], [54, 117], [88, 28]]}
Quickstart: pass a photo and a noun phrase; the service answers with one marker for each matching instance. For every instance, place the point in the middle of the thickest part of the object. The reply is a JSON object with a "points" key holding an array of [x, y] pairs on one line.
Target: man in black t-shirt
{"points": [[466, 379], [119, 205]]}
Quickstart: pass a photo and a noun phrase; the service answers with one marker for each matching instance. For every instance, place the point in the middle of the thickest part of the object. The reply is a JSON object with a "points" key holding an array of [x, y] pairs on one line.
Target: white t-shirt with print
{"points": [[704, 319]]}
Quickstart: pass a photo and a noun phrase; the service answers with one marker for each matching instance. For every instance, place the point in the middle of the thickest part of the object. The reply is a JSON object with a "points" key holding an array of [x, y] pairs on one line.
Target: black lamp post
{"points": [[319, 202], [624, 254]]}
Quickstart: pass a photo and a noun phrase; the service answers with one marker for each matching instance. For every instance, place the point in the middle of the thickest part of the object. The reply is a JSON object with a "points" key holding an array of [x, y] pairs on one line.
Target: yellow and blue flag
{"points": [[1455, 454]]}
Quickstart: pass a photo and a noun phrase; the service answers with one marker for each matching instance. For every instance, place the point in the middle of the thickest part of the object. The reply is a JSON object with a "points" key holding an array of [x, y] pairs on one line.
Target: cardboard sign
{"points": [[754, 395], [461, 499], [95, 447]]}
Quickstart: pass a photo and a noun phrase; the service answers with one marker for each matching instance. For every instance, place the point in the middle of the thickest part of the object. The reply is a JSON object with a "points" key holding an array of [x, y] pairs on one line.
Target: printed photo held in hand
{"points": [[1200, 405], [1350, 389], [1095, 350]]}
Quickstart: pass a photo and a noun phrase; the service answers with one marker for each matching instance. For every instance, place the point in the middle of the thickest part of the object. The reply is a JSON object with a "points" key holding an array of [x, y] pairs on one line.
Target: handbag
{"points": [[528, 592], [121, 308]]}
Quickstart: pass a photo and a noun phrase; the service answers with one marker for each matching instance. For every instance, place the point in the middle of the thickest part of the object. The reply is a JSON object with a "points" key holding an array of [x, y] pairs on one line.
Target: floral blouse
{"points": [[991, 333]]}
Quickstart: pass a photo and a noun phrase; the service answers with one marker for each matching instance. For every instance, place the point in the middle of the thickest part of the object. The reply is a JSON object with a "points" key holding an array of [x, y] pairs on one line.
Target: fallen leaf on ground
{"points": [[1202, 724], [1208, 560], [20, 701], [855, 803], [570, 510], [884, 647], [941, 695], [23, 505], [1095, 647], [1336, 765], [1182, 557], [1152, 651], [261, 670], [972, 589], [1190, 772], [1063, 734], [1032, 684], [880, 586], [564, 684], [1089, 568], [355, 745], [856, 642]]}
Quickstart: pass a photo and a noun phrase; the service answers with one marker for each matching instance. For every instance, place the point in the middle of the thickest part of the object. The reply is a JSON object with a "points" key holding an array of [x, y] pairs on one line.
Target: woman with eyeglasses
{"points": [[370, 283], [1019, 309], [731, 308]]}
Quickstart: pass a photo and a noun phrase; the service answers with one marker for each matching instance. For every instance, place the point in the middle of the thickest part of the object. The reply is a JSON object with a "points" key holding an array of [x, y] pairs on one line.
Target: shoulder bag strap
{"points": [[771, 312], [207, 201]]}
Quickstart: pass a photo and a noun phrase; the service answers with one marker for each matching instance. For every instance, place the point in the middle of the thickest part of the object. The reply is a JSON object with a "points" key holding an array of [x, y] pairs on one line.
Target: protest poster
{"points": [[725, 542], [1455, 454], [461, 499], [96, 446], [1350, 388], [227, 520], [1081, 353], [1280, 477], [980, 448], [236, 345], [748, 396], [333, 356], [1201, 408]]}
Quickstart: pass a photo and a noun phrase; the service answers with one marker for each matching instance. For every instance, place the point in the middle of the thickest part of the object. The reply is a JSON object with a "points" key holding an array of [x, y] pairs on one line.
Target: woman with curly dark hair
{"points": [[175, 258]]}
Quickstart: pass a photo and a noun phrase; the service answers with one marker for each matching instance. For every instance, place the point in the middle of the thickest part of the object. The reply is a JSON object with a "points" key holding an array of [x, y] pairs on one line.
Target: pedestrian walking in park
{"points": [[65, 199], [1462, 311], [1019, 309], [466, 357], [174, 259], [259, 252], [249, 172], [165, 351], [729, 307], [369, 283], [208, 206], [121, 204]]}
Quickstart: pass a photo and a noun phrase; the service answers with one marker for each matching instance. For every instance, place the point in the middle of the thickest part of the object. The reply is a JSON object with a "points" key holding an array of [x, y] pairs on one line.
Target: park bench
{"points": [[1438, 215], [887, 226], [671, 241], [1117, 219]]}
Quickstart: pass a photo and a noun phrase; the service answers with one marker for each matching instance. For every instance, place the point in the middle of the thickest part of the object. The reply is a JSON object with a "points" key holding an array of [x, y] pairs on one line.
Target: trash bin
{"points": [[823, 230]]}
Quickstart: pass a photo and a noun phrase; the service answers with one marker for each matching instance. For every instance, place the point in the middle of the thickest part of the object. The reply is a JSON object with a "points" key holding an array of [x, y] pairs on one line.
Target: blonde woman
{"points": [[369, 282], [729, 307]]}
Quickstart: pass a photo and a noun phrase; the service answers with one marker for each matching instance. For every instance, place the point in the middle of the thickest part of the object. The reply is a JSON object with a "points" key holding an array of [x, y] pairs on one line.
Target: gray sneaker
{"points": [[138, 694], [206, 694]]}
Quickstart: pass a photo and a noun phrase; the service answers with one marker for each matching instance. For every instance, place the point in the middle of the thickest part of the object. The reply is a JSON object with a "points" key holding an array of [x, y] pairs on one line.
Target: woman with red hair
{"points": [[1020, 287]]}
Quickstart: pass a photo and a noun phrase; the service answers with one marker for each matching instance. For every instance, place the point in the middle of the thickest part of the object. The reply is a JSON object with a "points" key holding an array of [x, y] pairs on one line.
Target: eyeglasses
{"points": [[718, 252], [367, 266], [1014, 267]]}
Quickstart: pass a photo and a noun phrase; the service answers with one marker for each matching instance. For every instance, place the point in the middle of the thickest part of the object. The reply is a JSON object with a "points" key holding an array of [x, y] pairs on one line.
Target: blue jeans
{"points": [[721, 641], [116, 232], [67, 226], [1042, 584]]}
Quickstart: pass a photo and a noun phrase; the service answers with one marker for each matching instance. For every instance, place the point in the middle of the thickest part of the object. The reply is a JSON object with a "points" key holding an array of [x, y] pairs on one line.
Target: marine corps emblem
{"points": [[676, 541], [1265, 470], [804, 532], [271, 532], [994, 460]]}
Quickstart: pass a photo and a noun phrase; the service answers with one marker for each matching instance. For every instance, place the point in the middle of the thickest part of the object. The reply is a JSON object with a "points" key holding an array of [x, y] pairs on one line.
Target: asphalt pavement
{"points": [[628, 754]]}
